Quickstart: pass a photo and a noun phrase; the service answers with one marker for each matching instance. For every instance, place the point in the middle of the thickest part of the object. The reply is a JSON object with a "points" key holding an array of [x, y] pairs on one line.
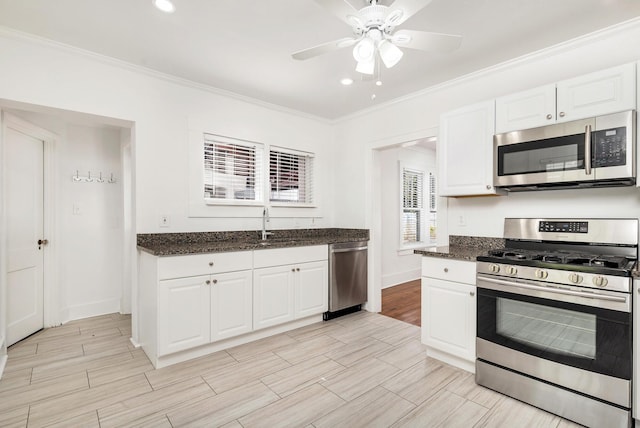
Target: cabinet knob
{"points": [[561, 114], [215, 281], [210, 263], [207, 282], [488, 186], [472, 293], [297, 269], [549, 116], [446, 270], [293, 269]]}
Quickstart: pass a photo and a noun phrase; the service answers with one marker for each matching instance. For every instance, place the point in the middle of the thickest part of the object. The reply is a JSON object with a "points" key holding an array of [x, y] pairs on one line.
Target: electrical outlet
{"points": [[462, 221], [164, 221], [77, 209]]}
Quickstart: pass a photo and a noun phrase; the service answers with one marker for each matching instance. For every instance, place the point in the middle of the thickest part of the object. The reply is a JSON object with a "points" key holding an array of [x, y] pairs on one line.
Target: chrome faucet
{"points": [[265, 220]]}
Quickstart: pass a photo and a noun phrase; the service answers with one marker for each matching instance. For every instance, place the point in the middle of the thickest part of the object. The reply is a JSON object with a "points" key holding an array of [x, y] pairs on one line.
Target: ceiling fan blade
{"points": [[340, 8], [435, 42], [324, 48], [408, 7]]}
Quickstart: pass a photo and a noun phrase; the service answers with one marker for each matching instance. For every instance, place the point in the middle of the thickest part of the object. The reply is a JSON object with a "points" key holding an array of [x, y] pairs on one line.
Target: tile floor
{"points": [[362, 370]]}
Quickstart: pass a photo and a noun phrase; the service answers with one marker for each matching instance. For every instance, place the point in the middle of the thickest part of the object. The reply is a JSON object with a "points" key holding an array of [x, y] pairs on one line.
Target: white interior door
{"points": [[24, 203]]}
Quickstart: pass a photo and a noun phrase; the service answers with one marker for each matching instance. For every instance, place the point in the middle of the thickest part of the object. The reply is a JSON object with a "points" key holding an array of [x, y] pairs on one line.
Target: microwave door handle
{"points": [[587, 149]]}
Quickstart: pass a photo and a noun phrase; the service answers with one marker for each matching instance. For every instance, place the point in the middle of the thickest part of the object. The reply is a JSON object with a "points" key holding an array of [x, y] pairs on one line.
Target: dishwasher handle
{"points": [[346, 250]]}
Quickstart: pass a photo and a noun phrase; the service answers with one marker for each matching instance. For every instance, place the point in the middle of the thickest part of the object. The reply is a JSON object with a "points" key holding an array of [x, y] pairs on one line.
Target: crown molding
{"points": [[11, 33], [556, 49]]}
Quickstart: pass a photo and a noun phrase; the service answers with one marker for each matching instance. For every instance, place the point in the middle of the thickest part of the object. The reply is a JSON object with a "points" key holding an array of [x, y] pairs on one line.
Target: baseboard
{"points": [[92, 309], [400, 277]]}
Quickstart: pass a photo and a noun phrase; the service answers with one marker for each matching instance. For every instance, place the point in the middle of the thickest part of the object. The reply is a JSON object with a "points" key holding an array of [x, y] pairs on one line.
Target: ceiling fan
{"points": [[374, 31]]}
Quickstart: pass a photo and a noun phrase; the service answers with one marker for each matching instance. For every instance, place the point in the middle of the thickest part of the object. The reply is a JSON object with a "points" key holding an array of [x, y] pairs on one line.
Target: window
{"points": [[232, 170], [412, 219], [290, 177]]}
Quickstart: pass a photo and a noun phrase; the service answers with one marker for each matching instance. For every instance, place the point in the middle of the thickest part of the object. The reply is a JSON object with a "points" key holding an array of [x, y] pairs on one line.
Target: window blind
{"points": [[412, 217], [432, 193], [291, 176], [232, 169]]}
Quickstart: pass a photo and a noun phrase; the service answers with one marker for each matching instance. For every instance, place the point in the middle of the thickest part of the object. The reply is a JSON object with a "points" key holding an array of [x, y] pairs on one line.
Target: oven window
{"points": [[553, 154], [561, 331], [586, 337]]}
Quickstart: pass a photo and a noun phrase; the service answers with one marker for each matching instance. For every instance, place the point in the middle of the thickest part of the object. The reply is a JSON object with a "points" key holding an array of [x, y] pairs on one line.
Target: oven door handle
{"points": [[507, 285]]}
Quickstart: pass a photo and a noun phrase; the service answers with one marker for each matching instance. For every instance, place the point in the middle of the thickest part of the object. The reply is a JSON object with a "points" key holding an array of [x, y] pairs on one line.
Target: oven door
{"points": [[541, 331]]}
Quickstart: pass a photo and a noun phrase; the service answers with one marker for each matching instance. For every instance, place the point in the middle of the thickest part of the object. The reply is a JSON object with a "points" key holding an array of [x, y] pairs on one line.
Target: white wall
{"points": [[484, 216], [164, 110], [398, 265]]}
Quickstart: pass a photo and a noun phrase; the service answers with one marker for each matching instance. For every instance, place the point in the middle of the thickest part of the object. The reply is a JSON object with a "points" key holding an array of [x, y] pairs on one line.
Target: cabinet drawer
{"points": [[203, 264], [449, 269], [287, 256]]}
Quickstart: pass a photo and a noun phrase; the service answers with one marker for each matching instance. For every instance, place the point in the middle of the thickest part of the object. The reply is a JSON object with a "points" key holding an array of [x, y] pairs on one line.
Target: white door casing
{"points": [[24, 207], [12, 125]]}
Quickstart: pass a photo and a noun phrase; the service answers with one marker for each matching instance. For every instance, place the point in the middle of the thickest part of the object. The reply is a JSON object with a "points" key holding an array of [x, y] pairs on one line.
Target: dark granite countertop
{"points": [[462, 248], [172, 244]]}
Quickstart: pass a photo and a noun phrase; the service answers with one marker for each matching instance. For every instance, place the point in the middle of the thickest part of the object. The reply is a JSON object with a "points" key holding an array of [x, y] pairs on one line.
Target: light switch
{"points": [[76, 209]]}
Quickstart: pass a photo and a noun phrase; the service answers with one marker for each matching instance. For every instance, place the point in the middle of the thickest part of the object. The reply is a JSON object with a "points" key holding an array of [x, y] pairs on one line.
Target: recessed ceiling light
{"points": [[164, 5], [346, 81]]}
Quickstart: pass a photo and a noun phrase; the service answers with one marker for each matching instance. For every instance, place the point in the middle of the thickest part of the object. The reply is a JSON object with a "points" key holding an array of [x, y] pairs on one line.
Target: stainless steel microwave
{"points": [[599, 151]]}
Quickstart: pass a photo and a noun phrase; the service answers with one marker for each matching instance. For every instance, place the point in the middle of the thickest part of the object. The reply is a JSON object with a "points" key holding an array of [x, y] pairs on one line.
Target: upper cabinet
{"points": [[465, 151], [602, 92]]}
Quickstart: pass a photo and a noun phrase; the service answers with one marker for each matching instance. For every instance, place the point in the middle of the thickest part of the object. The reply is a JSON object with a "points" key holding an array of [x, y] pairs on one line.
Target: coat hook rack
{"points": [[77, 178]]}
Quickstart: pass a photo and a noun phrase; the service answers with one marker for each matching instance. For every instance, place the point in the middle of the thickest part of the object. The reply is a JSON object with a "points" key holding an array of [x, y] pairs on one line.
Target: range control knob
{"points": [[575, 278], [541, 274], [511, 270], [494, 268], [600, 281]]}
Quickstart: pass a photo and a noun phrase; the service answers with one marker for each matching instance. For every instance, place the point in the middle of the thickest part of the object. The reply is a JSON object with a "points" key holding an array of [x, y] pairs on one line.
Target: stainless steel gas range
{"points": [[554, 317]]}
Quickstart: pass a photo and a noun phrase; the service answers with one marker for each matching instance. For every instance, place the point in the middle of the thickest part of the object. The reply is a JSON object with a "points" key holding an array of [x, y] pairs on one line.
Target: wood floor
{"points": [[402, 302], [361, 370]]}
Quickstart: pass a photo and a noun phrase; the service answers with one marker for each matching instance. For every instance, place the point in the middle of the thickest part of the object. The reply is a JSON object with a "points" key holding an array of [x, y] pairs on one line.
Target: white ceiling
{"points": [[245, 46]]}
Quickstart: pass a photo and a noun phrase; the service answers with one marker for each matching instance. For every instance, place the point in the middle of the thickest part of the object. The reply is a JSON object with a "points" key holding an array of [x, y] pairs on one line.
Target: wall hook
{"points": [[112, 180], [100, 179], [77, 176], [89, 179]]}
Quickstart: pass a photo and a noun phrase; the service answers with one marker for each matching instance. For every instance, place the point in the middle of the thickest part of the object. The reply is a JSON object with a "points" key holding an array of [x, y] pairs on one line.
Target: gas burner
{"points": [[552, 258]]}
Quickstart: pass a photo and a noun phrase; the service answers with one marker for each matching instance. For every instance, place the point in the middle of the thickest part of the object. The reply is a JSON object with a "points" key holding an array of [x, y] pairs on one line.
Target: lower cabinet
{"points": [[449, 311], [202, 309], [285, 293]]}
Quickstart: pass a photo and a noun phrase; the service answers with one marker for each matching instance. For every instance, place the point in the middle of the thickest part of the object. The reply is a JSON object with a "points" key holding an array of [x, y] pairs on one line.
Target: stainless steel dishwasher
{"points": [[347, 278]]}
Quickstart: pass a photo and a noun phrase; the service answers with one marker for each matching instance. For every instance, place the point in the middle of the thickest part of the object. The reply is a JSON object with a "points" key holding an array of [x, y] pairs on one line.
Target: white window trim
{"points": [[285, 204], [260, 179], [403, 247]]}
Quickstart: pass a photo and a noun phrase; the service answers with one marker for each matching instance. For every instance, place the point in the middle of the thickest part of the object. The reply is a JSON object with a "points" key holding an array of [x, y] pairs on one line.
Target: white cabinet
{"points": [[231, 304], [527, 109], [197, 310], [290, 291], [449, 311], [602, 92], [273, 296], [465, 151], [183, 306]]}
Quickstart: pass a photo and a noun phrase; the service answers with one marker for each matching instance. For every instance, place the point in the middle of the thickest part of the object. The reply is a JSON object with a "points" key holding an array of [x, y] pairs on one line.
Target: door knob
{"points": [[42, 242]]}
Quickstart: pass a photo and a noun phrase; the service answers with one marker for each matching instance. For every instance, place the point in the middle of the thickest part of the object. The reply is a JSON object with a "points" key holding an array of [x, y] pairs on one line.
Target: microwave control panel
{"points": [[609, 147]]}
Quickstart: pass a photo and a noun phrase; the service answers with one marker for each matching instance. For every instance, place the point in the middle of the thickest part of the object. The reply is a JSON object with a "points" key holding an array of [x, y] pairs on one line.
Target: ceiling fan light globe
{"points": [[389, 53], [364, 50], [366, 67]]}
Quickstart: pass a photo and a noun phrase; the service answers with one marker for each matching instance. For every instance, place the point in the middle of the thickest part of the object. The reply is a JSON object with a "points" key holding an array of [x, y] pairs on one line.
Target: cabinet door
{"points": [[231, 304], [183, 314], [449, 317], [465, 151], [272, 296], [527, 109], [602, 92], [311, 289]]}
